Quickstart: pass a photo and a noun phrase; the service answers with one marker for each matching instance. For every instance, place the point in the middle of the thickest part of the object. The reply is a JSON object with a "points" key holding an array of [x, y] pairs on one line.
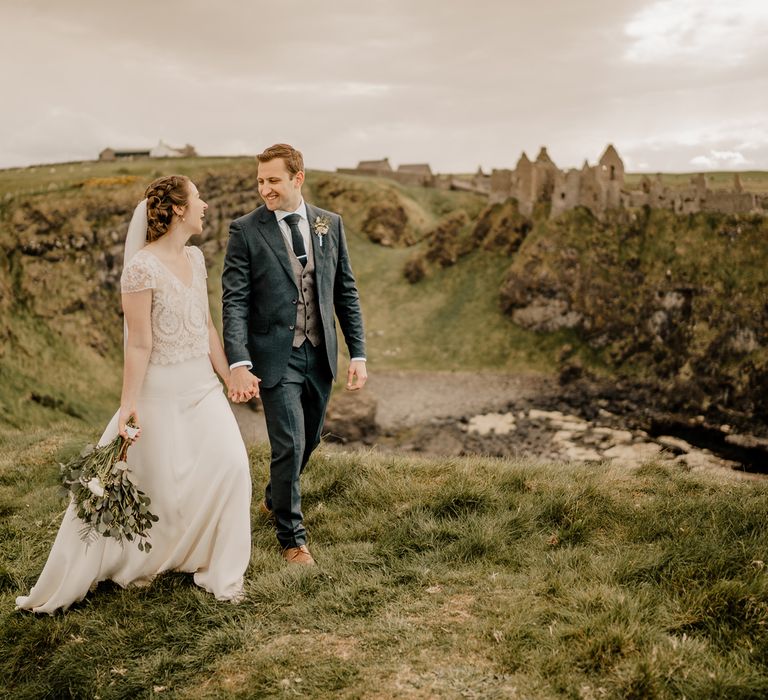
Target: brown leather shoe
{"points": [[265, 512], [298, 555]]}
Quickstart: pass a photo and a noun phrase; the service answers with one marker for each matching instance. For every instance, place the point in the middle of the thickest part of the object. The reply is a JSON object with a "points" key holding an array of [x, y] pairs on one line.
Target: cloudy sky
{"points": [[675, 85]]}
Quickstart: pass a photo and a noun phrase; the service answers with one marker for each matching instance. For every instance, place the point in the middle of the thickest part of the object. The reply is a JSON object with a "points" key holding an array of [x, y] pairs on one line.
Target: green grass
{"points": [[450, 320], [461, 578], [62, 176], [751, 180], [44, 377]]}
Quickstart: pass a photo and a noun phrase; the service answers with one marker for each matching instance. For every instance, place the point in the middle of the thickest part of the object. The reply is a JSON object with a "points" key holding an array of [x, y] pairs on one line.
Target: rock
{"points": [[747, 441], [387, 225], [570, 371], [537, 414], [562, 436], [351, 417], [440, 442], [744, 341], [633, 454], [674, 445], [704, 460], [576, 426], [415, 269], [582, 454], [546, 315], [616, 437], [499, 423]]}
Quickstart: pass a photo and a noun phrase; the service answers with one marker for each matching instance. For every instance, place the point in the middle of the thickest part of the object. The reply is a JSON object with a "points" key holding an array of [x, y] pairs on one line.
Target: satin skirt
{"points": [[192, 463]]}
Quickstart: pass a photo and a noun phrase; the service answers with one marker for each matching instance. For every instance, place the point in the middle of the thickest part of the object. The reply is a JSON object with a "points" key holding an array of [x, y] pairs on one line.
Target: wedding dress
{"points": [[190, 460]]}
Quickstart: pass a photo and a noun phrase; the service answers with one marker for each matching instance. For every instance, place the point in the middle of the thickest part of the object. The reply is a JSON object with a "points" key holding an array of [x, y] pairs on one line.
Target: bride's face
{"points": [[195, 210]]}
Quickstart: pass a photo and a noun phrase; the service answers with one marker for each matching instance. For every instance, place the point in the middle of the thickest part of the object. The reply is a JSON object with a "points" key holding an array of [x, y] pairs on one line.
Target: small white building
{"points": [[163, 150]]}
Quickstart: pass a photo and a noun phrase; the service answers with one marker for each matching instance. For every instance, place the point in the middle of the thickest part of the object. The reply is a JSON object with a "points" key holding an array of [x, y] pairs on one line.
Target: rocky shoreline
{"points": [[521, 416]]}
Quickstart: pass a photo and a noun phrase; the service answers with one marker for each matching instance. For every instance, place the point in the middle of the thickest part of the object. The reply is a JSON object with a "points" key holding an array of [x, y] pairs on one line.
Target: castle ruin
{"points": [[596, 187], [601, 187]]}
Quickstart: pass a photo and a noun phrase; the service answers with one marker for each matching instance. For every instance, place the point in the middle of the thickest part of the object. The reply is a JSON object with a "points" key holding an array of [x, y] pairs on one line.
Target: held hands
{"points": [[357, 375], [124, 415], [242, 385]]}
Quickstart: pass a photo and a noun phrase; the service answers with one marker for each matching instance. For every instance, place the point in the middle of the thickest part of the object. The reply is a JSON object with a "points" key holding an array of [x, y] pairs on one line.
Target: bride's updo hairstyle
{"points": [[161, 195]]}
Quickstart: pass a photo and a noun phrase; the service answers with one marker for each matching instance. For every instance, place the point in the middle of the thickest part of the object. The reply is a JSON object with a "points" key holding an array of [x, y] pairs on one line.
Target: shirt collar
{"points": [[301, 210]]}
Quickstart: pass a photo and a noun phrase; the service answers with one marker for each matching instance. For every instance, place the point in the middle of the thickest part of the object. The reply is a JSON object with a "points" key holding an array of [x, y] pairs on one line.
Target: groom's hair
{"points": [[294, 161]]}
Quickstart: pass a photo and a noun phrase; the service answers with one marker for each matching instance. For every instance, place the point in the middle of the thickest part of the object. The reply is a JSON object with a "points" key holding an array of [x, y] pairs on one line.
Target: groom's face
{"points": [[277, 187]]}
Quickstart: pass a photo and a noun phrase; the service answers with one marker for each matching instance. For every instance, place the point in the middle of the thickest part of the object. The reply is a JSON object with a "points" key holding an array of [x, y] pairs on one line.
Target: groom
{"points": [[286, 272]]}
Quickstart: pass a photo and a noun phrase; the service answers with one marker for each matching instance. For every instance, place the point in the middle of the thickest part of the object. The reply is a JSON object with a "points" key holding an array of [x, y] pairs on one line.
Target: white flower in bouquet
{"points": [[95, 487]]}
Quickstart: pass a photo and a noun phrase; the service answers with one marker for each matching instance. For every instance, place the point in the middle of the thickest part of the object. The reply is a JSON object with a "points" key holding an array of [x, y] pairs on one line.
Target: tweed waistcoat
{"points": [[308, 324]]}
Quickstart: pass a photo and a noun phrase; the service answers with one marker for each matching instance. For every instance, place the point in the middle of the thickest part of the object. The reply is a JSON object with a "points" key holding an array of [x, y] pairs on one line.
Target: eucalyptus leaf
{"points": [[87, 450]]}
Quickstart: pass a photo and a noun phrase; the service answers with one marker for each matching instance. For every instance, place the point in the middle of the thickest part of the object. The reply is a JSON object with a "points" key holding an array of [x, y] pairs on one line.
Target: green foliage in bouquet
{"points": [[105, 494]]}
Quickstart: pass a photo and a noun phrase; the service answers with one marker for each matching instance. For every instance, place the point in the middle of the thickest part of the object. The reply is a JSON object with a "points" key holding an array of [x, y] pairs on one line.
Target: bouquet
{"points": [[105, 495]]}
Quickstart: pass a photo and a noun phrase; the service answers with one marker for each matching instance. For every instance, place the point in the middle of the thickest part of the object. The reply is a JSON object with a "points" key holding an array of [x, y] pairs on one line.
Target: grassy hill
{"points": [[459, 578]]}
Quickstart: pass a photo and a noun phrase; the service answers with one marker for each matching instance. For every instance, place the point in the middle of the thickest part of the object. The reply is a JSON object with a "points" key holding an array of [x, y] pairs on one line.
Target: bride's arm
{"points": [[137, 307], [218, 358]]}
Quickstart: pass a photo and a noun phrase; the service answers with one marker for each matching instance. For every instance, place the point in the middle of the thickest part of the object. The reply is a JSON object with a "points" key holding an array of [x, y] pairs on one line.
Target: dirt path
{"points": [[406, 399]]}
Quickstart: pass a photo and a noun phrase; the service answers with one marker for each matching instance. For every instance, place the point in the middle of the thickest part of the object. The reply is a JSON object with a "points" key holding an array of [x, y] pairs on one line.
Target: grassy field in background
{"points": [[751, 180], [472, 578], [41, 177]]}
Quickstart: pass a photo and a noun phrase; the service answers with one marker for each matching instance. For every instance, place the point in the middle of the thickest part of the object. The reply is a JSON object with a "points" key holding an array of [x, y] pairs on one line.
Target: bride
{"points": [[189, 457]]}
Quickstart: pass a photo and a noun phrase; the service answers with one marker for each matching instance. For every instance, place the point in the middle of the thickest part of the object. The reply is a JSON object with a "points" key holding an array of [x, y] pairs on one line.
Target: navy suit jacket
{"points": [[260, 293]]}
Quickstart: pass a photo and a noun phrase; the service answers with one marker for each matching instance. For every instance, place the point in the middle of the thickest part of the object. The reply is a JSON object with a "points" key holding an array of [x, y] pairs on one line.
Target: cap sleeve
{"points": [[138, 275], [199, 258]]}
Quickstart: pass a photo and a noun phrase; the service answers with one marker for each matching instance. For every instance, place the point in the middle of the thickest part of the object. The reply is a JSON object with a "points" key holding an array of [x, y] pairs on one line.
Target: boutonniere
{"points": [[321, 226]]}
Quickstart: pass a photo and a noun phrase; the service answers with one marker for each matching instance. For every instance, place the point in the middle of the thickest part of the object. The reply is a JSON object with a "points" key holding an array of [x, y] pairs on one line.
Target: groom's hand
{"points": [[357, 375], [242, 385]]}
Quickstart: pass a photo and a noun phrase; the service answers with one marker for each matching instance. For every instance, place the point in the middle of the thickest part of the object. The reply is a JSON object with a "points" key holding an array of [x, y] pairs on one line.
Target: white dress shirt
{"points": [[280, 215]]}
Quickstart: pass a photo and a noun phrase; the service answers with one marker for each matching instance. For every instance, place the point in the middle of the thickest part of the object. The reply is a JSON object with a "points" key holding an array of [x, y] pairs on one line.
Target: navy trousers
{"points": [[294, 410]]}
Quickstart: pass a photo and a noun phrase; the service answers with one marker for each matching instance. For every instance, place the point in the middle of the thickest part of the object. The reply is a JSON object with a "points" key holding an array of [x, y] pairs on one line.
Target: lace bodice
{"points": [[179, 313]]}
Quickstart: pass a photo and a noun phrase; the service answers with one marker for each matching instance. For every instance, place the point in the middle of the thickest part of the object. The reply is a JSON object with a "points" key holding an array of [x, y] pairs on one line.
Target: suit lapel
{"points": [[317, 249], [274, 237]]}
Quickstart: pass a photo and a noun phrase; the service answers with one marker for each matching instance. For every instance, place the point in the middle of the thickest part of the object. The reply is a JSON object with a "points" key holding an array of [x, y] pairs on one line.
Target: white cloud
{"points": [[710, 33], [720, 160]]}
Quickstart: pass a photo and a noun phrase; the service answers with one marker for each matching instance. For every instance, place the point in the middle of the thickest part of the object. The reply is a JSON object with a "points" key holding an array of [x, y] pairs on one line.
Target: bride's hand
{"points": [[125, 415], [242, 385]]}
